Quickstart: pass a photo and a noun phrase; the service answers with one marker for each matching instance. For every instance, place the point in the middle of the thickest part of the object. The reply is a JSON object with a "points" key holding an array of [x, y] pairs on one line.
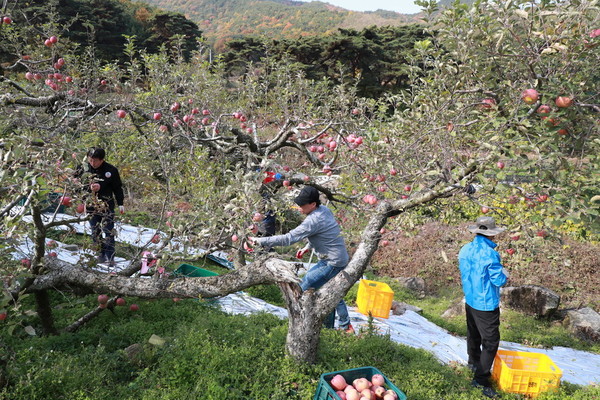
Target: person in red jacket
{"points": [[107, 191]]}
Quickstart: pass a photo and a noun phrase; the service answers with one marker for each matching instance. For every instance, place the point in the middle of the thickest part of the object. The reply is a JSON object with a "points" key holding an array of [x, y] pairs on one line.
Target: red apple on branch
{"points": [[563, 102], [134, 307], [530, 96], [65, 201], [487, 104], [102, 298], [544, 109], [121, 113], [120, 301]]}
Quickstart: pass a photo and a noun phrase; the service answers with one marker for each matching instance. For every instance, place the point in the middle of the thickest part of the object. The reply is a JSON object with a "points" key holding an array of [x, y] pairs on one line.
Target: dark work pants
{"points": [[103, 235], [483, 338]]}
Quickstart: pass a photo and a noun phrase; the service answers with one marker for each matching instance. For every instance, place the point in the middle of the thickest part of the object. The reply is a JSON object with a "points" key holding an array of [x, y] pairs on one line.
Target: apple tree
{"points": [[482, 121]]}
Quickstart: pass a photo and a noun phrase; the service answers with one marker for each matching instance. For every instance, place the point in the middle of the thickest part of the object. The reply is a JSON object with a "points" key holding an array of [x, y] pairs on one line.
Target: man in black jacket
{"points": [[106, 188]]}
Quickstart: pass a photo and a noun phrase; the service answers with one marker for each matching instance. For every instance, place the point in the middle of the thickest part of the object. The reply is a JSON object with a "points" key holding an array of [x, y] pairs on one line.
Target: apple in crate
{"points": [[361, 384], [367, 394], [338, 382], [352, 394], [378, 380], [379, 391], [341, 395]]}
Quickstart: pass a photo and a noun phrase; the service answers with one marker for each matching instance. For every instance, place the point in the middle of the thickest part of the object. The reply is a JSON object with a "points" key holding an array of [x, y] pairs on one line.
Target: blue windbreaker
{"points": [[481, 273]]}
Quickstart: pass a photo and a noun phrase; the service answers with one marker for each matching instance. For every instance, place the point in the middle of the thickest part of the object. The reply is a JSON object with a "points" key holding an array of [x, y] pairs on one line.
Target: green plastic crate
{"points": [[326, 392], [193, 272], [49, 205]]}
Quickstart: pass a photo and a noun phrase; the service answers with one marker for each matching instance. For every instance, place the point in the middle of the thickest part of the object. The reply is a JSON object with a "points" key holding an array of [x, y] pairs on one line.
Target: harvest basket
{"points": [[374, 298], [525, 373], [326, 392]]}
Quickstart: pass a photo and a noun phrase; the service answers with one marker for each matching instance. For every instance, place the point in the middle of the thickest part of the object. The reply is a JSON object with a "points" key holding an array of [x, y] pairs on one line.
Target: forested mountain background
{"points": [[375, 58], [222, 20]]}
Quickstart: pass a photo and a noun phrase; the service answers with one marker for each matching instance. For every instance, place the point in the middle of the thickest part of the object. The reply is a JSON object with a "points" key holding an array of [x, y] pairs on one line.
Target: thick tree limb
{"points": [[264, 270]]}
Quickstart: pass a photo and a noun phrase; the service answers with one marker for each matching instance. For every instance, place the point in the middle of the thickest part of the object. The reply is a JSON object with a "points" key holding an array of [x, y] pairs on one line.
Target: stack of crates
{"points": [[326, 392], [374, 298], [525, 373]]}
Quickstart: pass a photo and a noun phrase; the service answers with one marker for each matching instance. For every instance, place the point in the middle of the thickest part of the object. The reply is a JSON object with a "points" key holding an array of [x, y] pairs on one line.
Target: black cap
{"points": [[307, 195]]}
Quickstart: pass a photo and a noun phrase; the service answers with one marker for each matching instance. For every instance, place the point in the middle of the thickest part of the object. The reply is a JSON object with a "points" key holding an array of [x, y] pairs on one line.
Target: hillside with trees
{"points": [[102, 27], [376, 59], [223, 20]]}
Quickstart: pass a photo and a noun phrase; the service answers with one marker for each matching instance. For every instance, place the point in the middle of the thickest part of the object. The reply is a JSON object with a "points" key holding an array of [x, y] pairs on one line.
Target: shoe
{"points": [[487, 391], [348, 329]]}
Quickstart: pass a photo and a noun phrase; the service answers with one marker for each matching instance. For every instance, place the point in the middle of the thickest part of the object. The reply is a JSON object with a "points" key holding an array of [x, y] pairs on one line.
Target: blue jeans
{"points": [[103, 235], [318, 275]]}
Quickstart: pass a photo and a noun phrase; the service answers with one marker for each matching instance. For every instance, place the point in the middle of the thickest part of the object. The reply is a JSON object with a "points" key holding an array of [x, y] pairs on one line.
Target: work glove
{"points": [[249, 243], [300, 253]]}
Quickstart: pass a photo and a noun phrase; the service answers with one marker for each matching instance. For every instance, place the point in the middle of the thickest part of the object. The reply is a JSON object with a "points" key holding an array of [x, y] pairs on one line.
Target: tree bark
{"points": [[44, 310]]}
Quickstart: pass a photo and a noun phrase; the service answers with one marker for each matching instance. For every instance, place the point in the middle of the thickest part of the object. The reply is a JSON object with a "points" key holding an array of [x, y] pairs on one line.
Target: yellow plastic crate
{"points": [[525, 373], [374, 298]]}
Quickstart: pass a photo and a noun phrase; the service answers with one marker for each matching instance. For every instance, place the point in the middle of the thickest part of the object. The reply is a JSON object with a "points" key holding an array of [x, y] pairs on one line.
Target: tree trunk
{"points": [[42, 300], [305, 323]]}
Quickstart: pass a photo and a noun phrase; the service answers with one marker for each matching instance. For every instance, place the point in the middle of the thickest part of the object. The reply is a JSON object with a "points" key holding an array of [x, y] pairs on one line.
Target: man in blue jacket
{"points": [[482, 276], [324, 236]]}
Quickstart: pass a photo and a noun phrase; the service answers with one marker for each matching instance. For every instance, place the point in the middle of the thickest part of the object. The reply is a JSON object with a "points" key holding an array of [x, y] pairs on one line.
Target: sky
{"points": [[401, 6]]}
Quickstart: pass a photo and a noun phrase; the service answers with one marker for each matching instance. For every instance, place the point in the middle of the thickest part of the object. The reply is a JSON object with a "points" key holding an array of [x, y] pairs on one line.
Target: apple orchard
{"points": [[503, 116]]}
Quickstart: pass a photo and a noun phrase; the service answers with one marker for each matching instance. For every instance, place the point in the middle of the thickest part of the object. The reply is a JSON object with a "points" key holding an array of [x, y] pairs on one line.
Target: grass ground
{"points": [[211, 355]]}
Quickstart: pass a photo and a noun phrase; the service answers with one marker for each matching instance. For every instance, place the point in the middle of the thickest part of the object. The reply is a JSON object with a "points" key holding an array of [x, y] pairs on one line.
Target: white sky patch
{"points": [[400, 6]]}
